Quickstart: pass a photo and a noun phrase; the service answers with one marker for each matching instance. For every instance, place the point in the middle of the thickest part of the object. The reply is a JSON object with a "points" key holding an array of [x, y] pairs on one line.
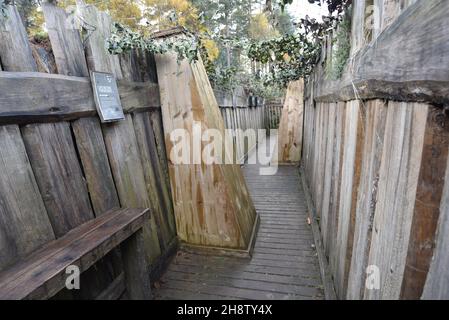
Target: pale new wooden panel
{"points": [[376, 112], [212, 205], [437, 283], [350, 177], [398, 180], [291, 124], [427, 205]]}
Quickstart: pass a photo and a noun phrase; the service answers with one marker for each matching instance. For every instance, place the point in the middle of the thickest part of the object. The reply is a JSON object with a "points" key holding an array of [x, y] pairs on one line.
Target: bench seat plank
{"points": [[42, 274]]}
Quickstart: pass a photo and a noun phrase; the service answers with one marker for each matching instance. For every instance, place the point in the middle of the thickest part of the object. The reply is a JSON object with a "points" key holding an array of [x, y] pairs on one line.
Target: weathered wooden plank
{"points": [[24, 223], [326, 220], [15, 51], [373, 74], [45, 279], [92, 151], [376, 112], [59, 97], [427, 204], [291, 124], [350, 177], [153, 178], [124, 158], [100, 23], [65, 42], [437, 282], [398, 180], [137, 278], [55, 163]]}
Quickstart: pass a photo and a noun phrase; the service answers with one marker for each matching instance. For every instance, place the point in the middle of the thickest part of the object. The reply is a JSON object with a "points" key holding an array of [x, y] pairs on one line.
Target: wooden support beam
{"points": [[51, 97], [407, 62]]}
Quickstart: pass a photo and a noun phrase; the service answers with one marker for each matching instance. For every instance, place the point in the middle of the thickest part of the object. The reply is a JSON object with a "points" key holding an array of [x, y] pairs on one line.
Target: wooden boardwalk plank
{"points": [[284, 264]]}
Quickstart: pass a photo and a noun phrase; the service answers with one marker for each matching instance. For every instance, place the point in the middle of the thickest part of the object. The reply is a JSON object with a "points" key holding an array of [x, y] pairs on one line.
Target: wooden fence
{"points": [[376, 154], [59, 165], [239, 114]]}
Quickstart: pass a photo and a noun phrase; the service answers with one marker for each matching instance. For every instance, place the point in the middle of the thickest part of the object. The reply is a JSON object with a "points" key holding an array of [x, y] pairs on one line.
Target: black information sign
{"points": [[107, 98]]}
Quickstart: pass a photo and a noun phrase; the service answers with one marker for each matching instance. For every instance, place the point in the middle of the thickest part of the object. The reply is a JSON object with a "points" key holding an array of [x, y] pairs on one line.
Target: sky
{"points": [[300, 8]]}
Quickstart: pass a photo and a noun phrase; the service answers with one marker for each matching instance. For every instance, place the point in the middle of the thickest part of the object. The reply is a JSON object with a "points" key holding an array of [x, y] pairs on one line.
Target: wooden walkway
{"points": [[284, 264]]}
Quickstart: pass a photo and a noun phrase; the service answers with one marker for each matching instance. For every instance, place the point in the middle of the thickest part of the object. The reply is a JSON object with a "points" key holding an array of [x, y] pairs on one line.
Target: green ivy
{"points": [[123, 40], [4, 8]]}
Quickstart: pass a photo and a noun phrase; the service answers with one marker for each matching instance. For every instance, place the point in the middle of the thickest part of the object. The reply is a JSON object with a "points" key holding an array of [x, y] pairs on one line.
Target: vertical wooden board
{"points": [[291, 124], [398, 180], [121, 145], [427, 204], [65, 42], [55, 163], [15, 51], [100, 24], [351, 166], [376, 111], [148, 153], [325, 206], [24, 224], [437, 281], [92, 151], [358, 20], [337, 165]]}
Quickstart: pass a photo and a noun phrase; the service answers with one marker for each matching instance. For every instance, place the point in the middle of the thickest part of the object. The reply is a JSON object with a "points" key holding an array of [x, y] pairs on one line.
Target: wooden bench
{"points": [[43, 273]]}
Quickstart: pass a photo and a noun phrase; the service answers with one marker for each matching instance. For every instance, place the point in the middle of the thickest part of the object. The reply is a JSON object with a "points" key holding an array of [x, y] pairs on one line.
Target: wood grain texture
{"points": [[437, 282], [98, 59], [94, 158], [24, 223], [128, 172], [137, 278], [281, 267], [57, 97], [398, 180], [212, 204], [350, 177], [42, 276], [65, 42], [291, 124], [55, 163], [376, 112], [427, 204], [15, 51], [153, 177], [373, 74]]}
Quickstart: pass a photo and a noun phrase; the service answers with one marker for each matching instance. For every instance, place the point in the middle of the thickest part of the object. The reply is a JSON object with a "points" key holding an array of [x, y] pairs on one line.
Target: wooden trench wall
{"points": [[59, 166], [376, 154], [246, 112]]}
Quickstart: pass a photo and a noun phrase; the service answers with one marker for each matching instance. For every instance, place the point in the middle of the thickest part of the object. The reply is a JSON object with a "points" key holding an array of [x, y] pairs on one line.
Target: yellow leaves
{"points": [[211, 48], [260, 28]]}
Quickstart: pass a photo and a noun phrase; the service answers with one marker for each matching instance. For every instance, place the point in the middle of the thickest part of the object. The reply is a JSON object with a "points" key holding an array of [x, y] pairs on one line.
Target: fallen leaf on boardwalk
{"points": [[157, 285], [309, 221]]}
